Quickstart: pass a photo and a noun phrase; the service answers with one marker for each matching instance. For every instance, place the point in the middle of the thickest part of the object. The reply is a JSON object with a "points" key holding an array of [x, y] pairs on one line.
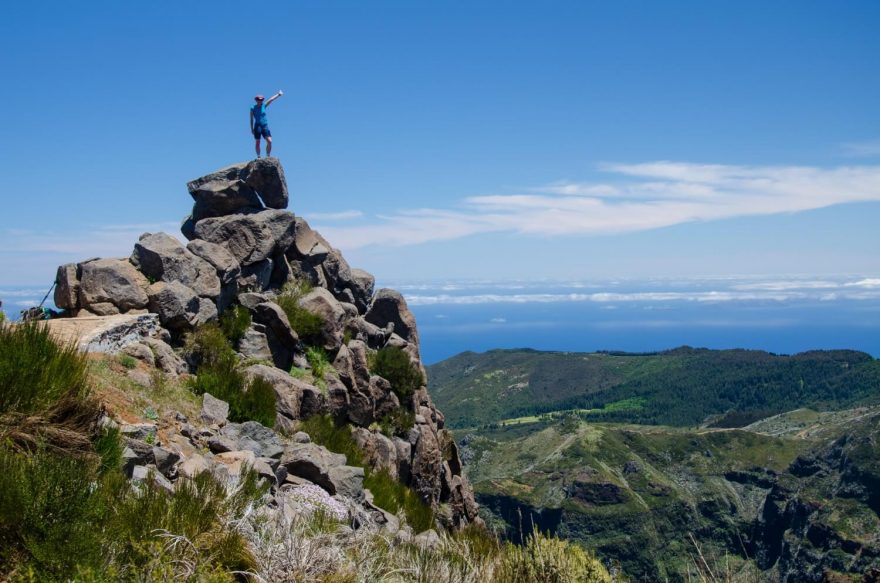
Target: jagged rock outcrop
{"points": [[821, 516], [243, 249]]}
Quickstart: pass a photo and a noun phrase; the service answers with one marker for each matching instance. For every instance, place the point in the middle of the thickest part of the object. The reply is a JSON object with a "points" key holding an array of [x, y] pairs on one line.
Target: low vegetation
{"points": [[395, 365], [309, 548], [234, 323], [319, 363], [36, 373], [60, 477], [307, 324], [388, 492], [219, 374]]}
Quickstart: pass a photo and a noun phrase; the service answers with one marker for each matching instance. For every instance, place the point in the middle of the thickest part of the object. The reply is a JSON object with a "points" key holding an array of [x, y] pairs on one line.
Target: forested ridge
{"points": [[685, 386]]}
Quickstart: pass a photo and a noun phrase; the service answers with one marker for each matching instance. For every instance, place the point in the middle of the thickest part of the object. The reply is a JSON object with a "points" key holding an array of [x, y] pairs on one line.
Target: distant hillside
{"points": [[799, 504], [681, 387]]}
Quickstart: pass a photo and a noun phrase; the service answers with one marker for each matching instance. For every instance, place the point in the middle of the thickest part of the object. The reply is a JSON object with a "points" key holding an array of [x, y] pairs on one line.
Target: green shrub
{"points": [[336, 437], [2, 317], [50, 506], [222, 379], [258, 403], [109, 449], [36, 373], [248, 401], [307, 325], [319, 362], [208, 346], [127, 361], [398, 423], [394, 497], [48, 512], [395, 366], [195, 510], [234, 323]]}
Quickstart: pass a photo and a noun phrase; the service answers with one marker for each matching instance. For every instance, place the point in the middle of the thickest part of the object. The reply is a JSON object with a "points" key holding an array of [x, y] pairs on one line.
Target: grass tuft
{"points": [[395, 497], [307, 325], [234, 323], [319, 363]]}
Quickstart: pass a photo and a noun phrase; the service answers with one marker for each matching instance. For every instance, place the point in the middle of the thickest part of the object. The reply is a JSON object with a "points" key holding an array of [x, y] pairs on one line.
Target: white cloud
{"points": [[788, 285], [870, 282], [644, 196], [612, 298], [498, 320]]}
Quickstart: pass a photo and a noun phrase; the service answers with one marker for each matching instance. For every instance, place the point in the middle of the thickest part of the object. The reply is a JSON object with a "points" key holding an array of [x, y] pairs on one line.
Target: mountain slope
{"points": [[783, 507], [680, 387]]}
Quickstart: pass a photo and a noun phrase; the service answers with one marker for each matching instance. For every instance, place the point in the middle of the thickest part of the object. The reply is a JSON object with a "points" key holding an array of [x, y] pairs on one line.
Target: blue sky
{"points": [[458, 139]]}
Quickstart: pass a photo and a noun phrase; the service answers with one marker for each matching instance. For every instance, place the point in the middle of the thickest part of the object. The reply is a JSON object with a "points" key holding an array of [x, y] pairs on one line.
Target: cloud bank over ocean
{"points": [[716, 290]]}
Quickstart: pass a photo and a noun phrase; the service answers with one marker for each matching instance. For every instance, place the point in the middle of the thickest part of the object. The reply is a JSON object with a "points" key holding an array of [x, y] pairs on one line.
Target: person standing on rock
{"points": [[260, 123]]}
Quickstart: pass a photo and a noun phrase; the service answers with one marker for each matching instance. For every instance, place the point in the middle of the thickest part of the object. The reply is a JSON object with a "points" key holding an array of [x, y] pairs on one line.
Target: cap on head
{"points": [[258, 98]]}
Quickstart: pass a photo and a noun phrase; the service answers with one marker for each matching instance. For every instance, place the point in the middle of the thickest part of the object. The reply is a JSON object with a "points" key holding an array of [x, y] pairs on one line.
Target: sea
{"points": [[780, 315]]}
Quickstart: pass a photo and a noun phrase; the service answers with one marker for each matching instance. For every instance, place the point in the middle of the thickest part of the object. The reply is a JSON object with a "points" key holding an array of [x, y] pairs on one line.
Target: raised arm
{"points": [[274, 97]]}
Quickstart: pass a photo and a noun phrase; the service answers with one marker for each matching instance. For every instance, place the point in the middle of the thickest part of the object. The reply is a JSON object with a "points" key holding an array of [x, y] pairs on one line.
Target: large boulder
{"points": [[362, 289], [252, 436], [246, 238], [321, 302], [389, 307], [162, 257], [226, 266], [214, 411], [374, 336], [178, 306], [67, 287], [308, 243], [221, 193], [427, 465], [344, 366], [338, 272], [114, 334], [166, 359], [323, 467], [359, 363], [250, 237], [266, 176], [254, 344], [224, 262], [295, 398], [113, 281], [379, 451], [273, 318], [256, 276]]}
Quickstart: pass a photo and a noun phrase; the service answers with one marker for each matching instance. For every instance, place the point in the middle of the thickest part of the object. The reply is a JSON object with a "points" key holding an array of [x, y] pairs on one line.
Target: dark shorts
{"points": [[262, 131]]}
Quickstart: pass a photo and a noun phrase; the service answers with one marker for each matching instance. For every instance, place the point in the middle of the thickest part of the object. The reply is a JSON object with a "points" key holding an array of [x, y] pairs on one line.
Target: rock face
{"points": [[243, 248], [801, 531]]}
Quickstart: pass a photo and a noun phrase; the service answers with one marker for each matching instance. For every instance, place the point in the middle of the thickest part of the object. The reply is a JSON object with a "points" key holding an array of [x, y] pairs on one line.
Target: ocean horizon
{"points": [[778, 315]]}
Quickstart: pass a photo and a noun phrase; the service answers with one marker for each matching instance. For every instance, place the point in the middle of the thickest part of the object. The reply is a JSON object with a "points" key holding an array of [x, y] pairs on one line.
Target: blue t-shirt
{"points": [[259, 111]]}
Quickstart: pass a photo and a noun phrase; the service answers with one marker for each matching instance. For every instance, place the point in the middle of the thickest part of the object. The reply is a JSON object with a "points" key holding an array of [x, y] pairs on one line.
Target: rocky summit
{"points": [[243, 248]]}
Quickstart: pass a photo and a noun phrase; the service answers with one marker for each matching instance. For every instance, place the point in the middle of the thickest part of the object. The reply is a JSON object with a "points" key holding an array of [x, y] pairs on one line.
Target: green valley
{"points": [[572, 444]]}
